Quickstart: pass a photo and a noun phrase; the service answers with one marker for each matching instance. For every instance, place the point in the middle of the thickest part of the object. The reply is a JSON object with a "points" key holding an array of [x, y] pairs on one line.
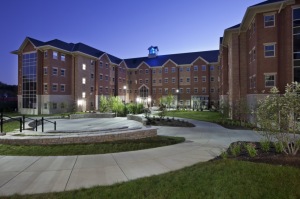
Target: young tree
{"points": [[169, 100], [116, 104], [103, 104], [278, 117]]}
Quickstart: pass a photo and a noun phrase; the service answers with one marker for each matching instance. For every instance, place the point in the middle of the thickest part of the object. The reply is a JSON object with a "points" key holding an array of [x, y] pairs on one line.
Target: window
{"points": [[141, 81], [203, 68], [146, 71], [54, 87], [154, 81], [188, 69], [62, 105], [54, 55], [187, 79], [92, 75], [203, 90], [212, 90], [154, 90], [173, 91], [54, 105], [100, 89], [159, 71], [173, 69], [166, 70], [188, 90], [62, 87], [106, 65], [92, 88], [83, 80], [166, 91], [211, 67], [159, 81], [45, 71], [212, 79], [166, 80], [203, 78], [195, 90], [92, 62], [83, 67], [63, 72], [101, 77], [160, 90], [106, 77], [181, 69], [54, 71], [195, 79], [45, 88], [269, 80], [181, 80], [62, 57], [181, 90], [45, 54], [153, 71], [146, 81], [135, 91], [83, 95], [141, 71], [106, 90], [195, 68], [101, 64], [269, 20], [45, 105], [269, 50], [173, 80]]}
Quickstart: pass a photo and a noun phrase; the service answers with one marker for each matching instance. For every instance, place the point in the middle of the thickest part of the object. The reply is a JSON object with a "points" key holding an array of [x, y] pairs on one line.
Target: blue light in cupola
{"points": [[153, 51]]}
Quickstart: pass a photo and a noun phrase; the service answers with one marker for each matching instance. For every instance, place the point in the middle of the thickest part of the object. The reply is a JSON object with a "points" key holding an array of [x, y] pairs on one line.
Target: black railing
{"points": [[24, 120], [43, 119], [2, 119]]}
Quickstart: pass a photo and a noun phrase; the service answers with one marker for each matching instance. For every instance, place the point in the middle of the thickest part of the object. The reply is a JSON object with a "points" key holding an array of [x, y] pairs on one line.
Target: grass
{"points": [[84, 149], [219, 179], [11, 126], [196, 115]]}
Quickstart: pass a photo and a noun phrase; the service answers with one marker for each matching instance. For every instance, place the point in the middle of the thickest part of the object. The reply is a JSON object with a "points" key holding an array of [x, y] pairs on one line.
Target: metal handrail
{"points": [[2, 121]]}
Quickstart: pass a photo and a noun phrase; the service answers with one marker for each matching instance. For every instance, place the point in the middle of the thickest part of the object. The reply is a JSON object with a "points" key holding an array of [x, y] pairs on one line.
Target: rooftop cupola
{"points": [[152, 51]]}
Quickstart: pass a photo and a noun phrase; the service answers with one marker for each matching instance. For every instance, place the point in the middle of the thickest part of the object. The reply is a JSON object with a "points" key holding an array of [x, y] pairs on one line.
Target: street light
{"points": [[149, 101], [177, 91], [124, 87]]}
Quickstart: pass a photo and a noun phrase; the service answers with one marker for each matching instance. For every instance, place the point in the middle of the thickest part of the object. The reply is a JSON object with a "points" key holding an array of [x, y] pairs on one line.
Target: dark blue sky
{"points": [[123, 28]]}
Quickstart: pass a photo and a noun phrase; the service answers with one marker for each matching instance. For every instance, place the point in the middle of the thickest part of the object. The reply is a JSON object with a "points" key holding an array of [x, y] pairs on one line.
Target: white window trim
{"points": [[270, 14], [54, 84], [62, 69], [64, 85], [56, 71], [269, 74], [270, 44]]}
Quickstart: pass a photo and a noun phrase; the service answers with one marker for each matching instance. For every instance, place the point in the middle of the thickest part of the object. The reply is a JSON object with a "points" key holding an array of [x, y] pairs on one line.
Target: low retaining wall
{"points": [[137, 118], [80, 139], [92, 115]]}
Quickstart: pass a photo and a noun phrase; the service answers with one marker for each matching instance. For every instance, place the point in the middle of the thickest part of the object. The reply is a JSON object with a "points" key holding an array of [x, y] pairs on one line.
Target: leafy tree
{"points": [[116, 105], [277, 116], [169, 100], [103, 104]]}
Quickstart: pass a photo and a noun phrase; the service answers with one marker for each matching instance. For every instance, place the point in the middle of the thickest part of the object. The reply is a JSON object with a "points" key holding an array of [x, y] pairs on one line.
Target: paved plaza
{"points": [[40, 174]]}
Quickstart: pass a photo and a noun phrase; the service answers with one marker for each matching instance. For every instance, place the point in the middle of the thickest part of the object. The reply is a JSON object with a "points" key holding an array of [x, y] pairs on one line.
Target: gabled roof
{"points": [[267, 2], [87, 50], [180, 59], [114, 59], [234, 27], [35, 42]]}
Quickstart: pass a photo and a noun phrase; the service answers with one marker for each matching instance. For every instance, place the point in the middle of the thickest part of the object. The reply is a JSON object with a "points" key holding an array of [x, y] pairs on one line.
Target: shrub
{"points": [[265, 145], [235, 149], [224, 154], [278, 147], [250, 147]]}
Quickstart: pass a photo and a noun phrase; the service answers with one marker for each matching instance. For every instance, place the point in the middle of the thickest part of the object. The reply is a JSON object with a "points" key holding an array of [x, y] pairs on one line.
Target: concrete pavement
{"points": [[27, 175]]}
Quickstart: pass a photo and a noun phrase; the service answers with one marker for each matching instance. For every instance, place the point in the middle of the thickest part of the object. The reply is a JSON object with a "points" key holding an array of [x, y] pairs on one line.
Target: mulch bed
{"points": [[270, 157]]}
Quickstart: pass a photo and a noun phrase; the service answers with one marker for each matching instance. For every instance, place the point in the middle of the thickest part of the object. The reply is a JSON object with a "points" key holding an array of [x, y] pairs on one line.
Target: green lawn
{"points": [[83, 149], [196, 115], [220, 179], [10, 126]]}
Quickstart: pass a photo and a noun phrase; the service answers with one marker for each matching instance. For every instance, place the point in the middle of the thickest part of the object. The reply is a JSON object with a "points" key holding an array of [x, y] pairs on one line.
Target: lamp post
{"points": [[124, 91], [149, 101], [177, 92]]}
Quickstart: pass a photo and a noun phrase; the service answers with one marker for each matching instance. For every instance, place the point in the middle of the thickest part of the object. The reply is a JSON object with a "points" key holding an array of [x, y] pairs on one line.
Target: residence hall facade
{"points": [[261, 52], [56, 76]]}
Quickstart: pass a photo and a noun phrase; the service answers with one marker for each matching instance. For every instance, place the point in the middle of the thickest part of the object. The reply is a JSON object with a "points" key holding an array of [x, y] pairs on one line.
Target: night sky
{"points": [[123, 28]]}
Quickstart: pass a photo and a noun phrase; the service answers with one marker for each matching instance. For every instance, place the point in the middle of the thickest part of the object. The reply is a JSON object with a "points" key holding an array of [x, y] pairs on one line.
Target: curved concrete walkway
{"points": [[31, 174]]}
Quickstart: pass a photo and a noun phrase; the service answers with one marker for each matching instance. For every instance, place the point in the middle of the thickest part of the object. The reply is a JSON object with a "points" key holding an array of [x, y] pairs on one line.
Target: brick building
{"points": [[56, 76], [261, 52]]}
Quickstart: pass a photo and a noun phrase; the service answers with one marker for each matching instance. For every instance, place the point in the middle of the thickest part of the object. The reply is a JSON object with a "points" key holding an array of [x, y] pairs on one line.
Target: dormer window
{"points": [[152, 51]]}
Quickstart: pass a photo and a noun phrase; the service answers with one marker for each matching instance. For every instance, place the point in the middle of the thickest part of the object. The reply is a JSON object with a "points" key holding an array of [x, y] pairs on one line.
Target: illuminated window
{"points": [[83, 67], [62, 57], [83, 94], [83, 80]]}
